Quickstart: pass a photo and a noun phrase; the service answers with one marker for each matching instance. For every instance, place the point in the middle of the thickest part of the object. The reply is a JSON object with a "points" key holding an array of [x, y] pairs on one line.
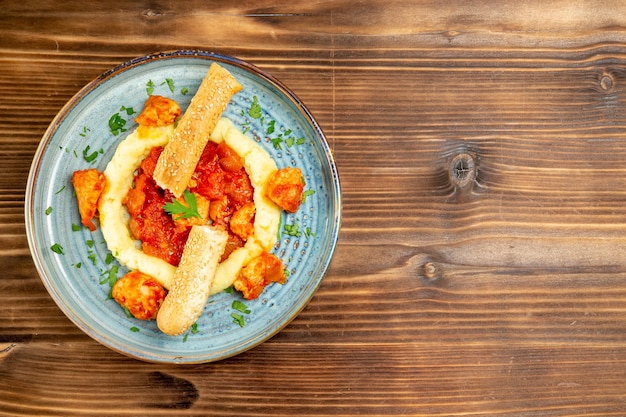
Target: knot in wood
{"points": [[152, 13], [462, 170], [606, 82], [431, 271]]}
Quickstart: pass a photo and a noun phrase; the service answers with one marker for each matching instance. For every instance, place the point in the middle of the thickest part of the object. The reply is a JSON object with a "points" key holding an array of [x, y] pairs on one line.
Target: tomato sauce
{"points": [[219, 177]]}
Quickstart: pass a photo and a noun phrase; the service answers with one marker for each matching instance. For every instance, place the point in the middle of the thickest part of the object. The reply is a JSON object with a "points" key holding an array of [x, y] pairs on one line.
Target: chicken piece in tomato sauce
{"points": [[88, 184], [286, 188], [258, 273], [140, 294], [158, 111]]}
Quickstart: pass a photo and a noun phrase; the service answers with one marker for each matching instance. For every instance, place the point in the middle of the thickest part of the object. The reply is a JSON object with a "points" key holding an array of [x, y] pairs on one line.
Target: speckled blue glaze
{"points": [[74, 279]]}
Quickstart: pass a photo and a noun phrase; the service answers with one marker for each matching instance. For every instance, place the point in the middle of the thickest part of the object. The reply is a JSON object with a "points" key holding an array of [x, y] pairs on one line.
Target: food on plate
{"points": [[285, 188], [88, 184], [258, 273], [191, 207], [140, 294], [192, 281], [158, 111], [178, 161]]}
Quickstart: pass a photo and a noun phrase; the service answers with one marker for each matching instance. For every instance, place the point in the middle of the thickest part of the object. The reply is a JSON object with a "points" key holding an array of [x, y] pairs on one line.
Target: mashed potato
{"points": [[119, 174]]}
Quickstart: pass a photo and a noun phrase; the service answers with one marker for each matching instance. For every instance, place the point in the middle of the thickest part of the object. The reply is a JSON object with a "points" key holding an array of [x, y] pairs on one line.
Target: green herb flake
{"points": [[134, 329], [78, 265], [92, 258], [170, 84], [255, 109], [308, 232], [193, 330], [241, 307], [89, 156], [292, 230], [290, 141], [116, 124], [75, 227], [60, 190], [271, 126], [112, 276], [56, 248], [89, 243], [276, 142], [129, 110], [238, 319], [109, 259], [150, 87], [180, 211], [48, 211], [184, 91], [306, 194]]}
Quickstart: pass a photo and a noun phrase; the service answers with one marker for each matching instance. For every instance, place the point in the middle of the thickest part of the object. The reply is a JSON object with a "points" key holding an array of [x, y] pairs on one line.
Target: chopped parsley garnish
{"points": [[56, 248], [89, 156], [292, 230], [170, 84], [60, 190], [116, 124], [193, 330], [129, 110], [241, 307], [134, 329], [255, 109], [179, 210], [271, 126], [48, 211], [150, 87], [238, 318], [184, 91], [306, 194], [276, 143], [75, 227], [92, 257]]}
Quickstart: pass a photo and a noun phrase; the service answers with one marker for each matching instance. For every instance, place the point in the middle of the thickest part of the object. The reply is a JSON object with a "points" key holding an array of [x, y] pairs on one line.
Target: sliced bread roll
{"points": [[192, 280], [180, 156]]}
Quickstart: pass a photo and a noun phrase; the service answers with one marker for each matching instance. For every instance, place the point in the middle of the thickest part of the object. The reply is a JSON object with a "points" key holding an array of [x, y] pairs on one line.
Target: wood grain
{"points": [[503, 295]]}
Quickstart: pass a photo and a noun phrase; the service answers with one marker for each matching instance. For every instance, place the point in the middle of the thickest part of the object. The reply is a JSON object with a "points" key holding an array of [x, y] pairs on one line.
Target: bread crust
{"points": [[192, 280], [180, 156]]}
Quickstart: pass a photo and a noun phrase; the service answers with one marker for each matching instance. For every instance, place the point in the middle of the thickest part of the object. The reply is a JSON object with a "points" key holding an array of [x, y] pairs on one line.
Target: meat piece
{"points": [[285, 188], [88, 184], [140, 294], [242, 222], [158, 111], [258, 273]]}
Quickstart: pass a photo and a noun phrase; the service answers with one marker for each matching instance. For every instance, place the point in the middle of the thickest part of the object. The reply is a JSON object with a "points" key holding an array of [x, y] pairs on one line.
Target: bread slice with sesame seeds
{"points": [[192, 281], [181, 154]]}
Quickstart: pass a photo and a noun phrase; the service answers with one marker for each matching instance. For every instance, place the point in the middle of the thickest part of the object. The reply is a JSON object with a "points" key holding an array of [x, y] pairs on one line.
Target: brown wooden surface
{"points": [[499, 292]]}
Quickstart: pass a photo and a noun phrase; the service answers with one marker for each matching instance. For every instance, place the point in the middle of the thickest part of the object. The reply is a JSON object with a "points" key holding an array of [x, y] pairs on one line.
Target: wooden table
{"points": [[481, 266]]}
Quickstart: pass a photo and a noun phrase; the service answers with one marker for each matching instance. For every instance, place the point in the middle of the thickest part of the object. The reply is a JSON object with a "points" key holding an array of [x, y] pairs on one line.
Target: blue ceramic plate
{"points": [[75, 264]]}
